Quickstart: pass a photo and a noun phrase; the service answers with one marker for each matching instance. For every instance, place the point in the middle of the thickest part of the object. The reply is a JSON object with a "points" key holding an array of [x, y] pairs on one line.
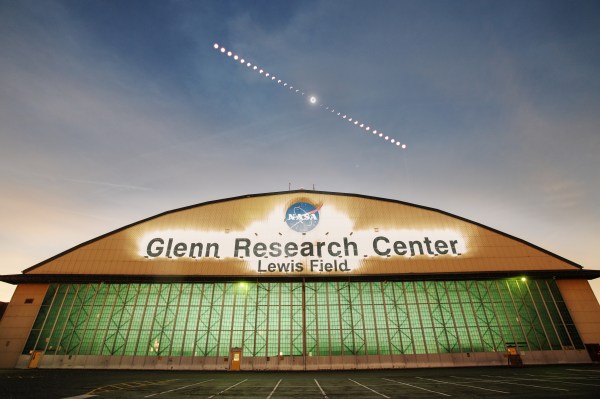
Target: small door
{"points": [[236, 359], [35, 359]]}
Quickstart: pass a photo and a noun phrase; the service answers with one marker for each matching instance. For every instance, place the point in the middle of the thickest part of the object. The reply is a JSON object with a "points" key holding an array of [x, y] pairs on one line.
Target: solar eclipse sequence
{"points": [[312, 99]]}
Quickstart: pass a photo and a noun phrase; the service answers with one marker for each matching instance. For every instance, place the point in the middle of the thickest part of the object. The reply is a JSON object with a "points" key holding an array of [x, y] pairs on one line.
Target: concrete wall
{"points": [[583, 307], [18, 320], [312, 362]]}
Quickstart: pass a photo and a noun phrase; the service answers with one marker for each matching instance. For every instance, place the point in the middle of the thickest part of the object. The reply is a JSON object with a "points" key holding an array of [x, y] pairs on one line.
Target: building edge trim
{"points": [[142, 278]]}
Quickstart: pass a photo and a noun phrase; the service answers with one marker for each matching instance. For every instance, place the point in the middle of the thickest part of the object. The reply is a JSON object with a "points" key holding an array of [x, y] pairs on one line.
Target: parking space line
{"points": [[125, 385], [414, 386], [565, 376], [372, 390], [177, 389], [462, 385], [321, 389], [227, 389], [557, 381], [273, 391], [591, 371], [128, 385], [513, 383], [537, 386]]}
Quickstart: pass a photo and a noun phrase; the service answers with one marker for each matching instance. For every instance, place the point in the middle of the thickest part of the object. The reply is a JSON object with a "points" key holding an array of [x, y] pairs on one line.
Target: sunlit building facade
{"points": [[301, 280]]}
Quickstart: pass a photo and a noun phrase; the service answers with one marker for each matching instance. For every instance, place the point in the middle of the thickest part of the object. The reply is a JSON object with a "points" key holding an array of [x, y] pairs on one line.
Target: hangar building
{"points": [[300, 280]]}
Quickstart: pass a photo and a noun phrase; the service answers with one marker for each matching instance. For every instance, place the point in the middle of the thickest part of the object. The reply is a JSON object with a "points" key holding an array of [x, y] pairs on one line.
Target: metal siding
{"points": [[117, 253]]}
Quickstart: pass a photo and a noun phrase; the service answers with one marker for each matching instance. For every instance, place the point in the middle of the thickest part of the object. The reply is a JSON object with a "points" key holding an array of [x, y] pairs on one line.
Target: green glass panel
{"points": [[335, 318]]}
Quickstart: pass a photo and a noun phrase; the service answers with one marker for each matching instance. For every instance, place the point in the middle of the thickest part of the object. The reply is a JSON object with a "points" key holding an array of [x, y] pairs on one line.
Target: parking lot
{"points": [[489, 382]]}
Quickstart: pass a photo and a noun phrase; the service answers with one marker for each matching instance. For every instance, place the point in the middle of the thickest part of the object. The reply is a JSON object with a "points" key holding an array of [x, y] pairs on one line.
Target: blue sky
{"points": [[113, 111]]}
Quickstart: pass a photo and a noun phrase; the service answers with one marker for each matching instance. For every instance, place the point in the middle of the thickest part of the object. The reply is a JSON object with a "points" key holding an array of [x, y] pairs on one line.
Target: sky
{"points": [[115, 111]]}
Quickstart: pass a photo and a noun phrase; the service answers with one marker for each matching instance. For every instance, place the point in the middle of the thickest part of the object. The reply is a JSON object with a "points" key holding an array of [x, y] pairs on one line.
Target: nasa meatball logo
{"points": [[302, 217]]}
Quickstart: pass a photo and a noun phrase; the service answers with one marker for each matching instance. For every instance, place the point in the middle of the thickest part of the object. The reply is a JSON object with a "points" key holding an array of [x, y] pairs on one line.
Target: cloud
{"points": [[561, 193], [112, 114]]}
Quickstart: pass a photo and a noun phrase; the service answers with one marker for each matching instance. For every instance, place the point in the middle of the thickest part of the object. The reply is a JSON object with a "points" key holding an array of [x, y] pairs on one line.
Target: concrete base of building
{"points": [[300, 363]]}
